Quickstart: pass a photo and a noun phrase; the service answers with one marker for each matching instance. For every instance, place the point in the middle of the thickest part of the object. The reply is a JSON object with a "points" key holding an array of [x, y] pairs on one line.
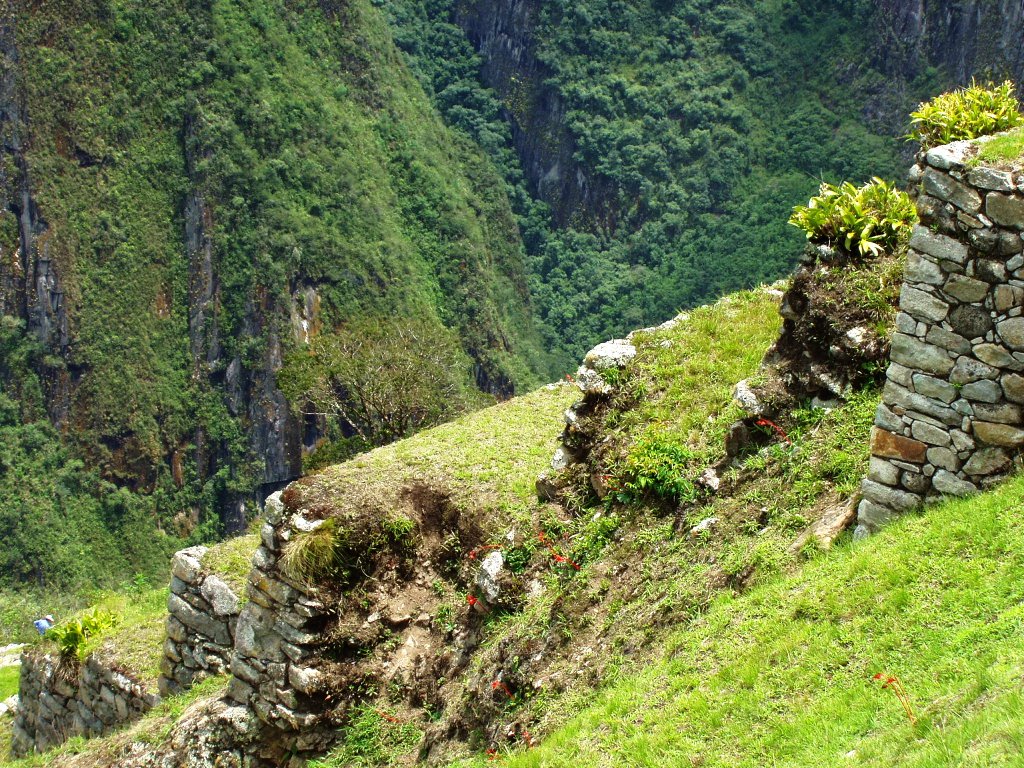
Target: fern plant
{"points": [[871, 218], [966, 113]]}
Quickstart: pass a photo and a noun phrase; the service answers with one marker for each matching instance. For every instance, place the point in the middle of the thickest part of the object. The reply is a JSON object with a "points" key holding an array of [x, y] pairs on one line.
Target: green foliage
{"points": [[872, 218], [383, 379], [72, 636], [325, 172], [659, 469], [696, 125], [9, 678], [371, 741], [966, 113]]}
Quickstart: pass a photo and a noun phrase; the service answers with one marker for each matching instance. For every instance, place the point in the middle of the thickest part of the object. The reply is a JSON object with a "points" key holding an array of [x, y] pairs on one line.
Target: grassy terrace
{"points": [[783, 675], [486, 462], [1005, 149]]}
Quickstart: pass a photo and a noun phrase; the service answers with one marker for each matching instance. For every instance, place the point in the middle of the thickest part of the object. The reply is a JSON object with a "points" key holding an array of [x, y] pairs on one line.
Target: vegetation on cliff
{"points": [[289, 140]]}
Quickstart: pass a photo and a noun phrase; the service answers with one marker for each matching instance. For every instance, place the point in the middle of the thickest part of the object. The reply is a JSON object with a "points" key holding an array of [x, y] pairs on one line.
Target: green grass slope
{"points": [[784, 675]]}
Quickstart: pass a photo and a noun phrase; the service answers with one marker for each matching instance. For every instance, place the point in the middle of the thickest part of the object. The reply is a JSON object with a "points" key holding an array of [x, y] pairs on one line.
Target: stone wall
{"points": [[202, 612], [277, 638], [951, 419], [53, 708]]}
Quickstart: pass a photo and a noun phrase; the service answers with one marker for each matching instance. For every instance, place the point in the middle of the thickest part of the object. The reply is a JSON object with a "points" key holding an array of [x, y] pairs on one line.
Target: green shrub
{"points": [[875, 217], [966, 113], [658, 469], [72, 636]]}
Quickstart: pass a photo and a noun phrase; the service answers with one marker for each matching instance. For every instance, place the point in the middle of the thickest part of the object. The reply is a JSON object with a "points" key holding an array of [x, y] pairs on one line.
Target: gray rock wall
{"points": [[202, 612], [276, 642], [951, 419], [53, 708]]}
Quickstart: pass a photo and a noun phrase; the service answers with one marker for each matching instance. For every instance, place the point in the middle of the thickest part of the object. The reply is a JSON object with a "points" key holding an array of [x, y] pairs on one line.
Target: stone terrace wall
{"points": [[276, 641], [202, 614], [951, 420], [53, 710]]}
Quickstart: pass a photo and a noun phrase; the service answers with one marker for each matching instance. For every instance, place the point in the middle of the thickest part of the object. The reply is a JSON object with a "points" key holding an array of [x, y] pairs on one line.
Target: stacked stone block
{"points": [[276, 642], [53, 709], [202, 613], [951, 419]]}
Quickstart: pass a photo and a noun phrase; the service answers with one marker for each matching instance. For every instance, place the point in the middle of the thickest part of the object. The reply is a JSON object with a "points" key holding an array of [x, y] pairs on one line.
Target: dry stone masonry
{"points": [[951, 419], [202, 613], [53, 708], [277, 636]]}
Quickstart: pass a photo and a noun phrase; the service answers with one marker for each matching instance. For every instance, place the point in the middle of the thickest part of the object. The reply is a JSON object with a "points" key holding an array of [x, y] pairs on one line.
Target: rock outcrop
{"points": [[951, 421]]}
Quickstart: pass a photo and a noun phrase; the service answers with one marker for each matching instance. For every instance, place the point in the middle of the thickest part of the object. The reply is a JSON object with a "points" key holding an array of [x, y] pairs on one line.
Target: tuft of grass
{"points": [[311, 555], [1007, 148], [782, 675], [966, 113], [372, 738], [231, 560]]}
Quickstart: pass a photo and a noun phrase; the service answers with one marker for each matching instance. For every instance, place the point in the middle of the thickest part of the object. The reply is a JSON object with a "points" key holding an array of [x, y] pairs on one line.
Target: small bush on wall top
{"points": [[872, 218], [966, 113]]}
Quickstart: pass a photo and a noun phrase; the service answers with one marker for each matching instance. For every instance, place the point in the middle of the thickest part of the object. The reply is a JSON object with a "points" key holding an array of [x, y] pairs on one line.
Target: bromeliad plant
{"points": [[72, 636], [966, 113], [872, 218]]}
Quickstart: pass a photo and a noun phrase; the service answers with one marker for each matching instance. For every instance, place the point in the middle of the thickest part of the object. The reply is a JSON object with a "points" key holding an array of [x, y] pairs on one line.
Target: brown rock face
{"points": [[891, 446]]}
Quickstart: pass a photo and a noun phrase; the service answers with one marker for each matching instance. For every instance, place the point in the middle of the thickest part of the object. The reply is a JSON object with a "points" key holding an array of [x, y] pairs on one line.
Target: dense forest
{"points": [[203, 200]]}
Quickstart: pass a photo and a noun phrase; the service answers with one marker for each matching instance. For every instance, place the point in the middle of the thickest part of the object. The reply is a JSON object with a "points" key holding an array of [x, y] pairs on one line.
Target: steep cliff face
{"points": [[503, 31], [966, 39]]}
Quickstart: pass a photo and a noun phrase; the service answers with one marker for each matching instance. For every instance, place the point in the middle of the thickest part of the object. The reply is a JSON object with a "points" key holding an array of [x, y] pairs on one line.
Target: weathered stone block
{"points": [[990, 271], [882, 471], [938, 246], [923, 305], [965, 289], [887, 445], [1007, 210], [970, 322], [948, 340], [943, 458], [996, 356], [908, 351], [1012, 332], [988, 461], [945, 187], [1000, 413], [949, 484], [984, 391], [200, 622], [999, 434], [929, 386], [967, 370], [991, 178], [1013, 386], [220, 596], [920, 269], [187, 564], [926, 433]]}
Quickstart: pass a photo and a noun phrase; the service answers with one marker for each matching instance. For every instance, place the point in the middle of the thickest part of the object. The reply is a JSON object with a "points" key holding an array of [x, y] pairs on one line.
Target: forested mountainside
{"points": [[191, 191], [195, 191], [667, 140]]}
